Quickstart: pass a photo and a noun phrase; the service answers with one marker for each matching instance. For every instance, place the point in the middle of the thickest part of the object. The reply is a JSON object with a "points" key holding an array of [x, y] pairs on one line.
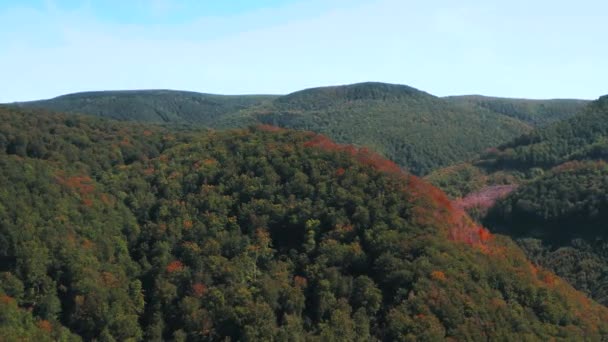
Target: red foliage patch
{"points": [[430, 205], [82, 184], [209, 161], [45, 325], [188, 224], [549, 279], [175, 266], [87, 244], [199, 289], [300, 282], [6, 299], [340, 172], [363, 155], [438, 275]]}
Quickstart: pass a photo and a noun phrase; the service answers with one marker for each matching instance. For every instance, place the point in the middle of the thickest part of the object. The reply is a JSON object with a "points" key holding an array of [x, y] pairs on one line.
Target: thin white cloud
{"points": [[442, 47]]}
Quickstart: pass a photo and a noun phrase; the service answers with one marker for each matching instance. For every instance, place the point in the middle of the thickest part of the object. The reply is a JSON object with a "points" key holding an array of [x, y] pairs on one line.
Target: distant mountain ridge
{"points": [[535, 112], [321, 97], [155, 106], [419, 131]]}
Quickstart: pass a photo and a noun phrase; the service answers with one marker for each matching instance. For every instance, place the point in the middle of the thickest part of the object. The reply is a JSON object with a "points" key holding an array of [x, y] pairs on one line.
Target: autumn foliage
{"points": [[363, 155], [199, 289], [431, 206], [175, 266], [81, 184], [438, 275]]}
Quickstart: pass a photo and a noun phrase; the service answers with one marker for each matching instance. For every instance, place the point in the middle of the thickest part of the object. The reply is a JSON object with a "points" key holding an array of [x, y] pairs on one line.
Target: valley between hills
{"points": [[365, 212]]}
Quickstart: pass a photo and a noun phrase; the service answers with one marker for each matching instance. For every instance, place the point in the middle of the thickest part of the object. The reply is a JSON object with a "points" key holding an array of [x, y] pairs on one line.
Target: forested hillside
{"points": [[152, 106], [561, 220], [558, 206], [582, 137], [534, 112], [121, 231], [419, 131]]}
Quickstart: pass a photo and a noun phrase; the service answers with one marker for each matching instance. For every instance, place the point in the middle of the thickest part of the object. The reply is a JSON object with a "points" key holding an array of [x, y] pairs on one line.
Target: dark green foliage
{"points": [[559, 212], [534, 112], [132, 232], [156, 106], [582, 137], [579, 137], [566, 211], [567, 202], [417, 130]]}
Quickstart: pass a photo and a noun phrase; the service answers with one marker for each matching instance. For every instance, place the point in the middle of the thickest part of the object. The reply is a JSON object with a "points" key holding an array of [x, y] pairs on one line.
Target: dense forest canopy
{"points": [[557, 210], [417, 130], [582, 137], [138, 232], [152, 106], [535, 112]]}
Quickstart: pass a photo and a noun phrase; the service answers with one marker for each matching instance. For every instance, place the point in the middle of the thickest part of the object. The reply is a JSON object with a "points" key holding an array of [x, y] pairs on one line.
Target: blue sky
{"points": [[512, 48]]}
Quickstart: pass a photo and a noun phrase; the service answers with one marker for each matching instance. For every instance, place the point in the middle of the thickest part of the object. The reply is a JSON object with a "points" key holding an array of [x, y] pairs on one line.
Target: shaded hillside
{"points": [[156, 106], [561, 220], [582, 137], [126, 231], [417, 130], [534, 112], [558, 212]]}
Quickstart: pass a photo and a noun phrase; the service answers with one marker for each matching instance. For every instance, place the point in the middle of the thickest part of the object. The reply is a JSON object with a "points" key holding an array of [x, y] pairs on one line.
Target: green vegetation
{"points": [[560, 219], [534, 112], [153, 106], [136, 232], [582, 137], [419, 131], [558, 213]]}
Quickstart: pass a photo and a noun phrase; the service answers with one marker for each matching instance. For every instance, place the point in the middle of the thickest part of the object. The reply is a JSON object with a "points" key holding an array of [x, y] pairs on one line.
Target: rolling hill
{"points": [[557, 205], [419, 131], [535, 112], [128, 231], [152, 106]]}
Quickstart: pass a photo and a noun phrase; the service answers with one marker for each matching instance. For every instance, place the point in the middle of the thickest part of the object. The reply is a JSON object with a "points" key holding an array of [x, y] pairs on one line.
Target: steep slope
{"points": [[558, 206], [156, 106], [418, 131], [534, 112], [125, 231], [561, 221]]}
